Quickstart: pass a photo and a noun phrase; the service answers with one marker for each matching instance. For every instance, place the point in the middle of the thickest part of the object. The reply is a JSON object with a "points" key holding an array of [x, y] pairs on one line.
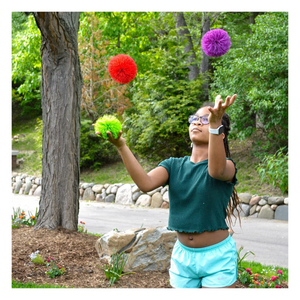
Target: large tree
{"points": [[61, 87]]}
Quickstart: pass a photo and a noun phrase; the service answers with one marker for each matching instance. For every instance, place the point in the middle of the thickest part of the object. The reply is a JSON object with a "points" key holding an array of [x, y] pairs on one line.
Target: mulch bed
{"points": [[75, 252]]}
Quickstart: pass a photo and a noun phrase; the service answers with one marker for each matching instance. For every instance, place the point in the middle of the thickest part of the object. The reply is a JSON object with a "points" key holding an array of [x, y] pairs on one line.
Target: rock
{"points": [[166, 196], [282, 213], [144, 200], [135, 189], [154, 191], [153, 250], [88, 194], [38, 191], [156, 200], [163, 190], [110, 198], [147, 249], [274, 206], [165, 204], [254, 215], [112, 242], [252, 209], [37, 181], [28, 185], [18, 184], [258, 208], [97, 188], [286, 201], [87, 185], [106, 185], [263, 202], [245, 197], [114, 189], [33, 188], [136, 195], [254, 200], [266, 212], [99, 198], [81, 191], [276, 200], [124, 195], [244, 210]]}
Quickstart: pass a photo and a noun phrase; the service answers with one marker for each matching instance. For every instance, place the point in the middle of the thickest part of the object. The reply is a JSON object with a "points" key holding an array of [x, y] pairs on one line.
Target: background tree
{"points": [[257, 70], [60, 92]]}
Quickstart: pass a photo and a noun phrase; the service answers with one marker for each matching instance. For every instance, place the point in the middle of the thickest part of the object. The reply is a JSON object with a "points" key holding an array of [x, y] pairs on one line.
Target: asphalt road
{"points": [[267, 239]]}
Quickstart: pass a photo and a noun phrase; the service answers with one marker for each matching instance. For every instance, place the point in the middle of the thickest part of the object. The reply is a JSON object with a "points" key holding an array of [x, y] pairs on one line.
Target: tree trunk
{"points": [[204, 66], [61, 93], [184, 32]]}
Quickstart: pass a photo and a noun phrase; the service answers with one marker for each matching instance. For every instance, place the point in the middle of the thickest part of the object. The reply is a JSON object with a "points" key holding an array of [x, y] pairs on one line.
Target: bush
{"points": [[274, 170], [94, 150]]}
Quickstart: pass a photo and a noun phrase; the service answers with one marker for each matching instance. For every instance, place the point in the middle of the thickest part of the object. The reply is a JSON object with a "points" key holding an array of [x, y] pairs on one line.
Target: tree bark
{"points": [[184, 32], [204, 66], [61, 94]]}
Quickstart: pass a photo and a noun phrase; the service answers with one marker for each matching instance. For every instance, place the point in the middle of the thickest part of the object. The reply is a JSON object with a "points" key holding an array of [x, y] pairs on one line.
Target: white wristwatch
{"points": [[217, 131]]}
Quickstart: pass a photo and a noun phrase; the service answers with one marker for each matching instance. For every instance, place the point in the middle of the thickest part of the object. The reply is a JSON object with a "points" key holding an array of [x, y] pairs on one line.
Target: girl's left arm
{"points": [[218, 166]]}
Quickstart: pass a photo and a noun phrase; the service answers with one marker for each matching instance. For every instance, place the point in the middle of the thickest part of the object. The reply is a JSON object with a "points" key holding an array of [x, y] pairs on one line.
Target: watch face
{"points": [[221, 130]]}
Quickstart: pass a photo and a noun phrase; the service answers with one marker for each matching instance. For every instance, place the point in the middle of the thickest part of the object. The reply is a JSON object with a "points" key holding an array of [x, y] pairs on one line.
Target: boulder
{"points": [[245, 197], [38, 191], [144, 200], [156, 200], [263, 202], [154, 191], [282, 213], [254, 200], [124, 195], [136, 195], [28, 185], [165, 204], [266, 212], [88, 194], [276, 200], [166, 196], [110, 198], [243, 209], [18, 184], [97, 188], [147, 249]]}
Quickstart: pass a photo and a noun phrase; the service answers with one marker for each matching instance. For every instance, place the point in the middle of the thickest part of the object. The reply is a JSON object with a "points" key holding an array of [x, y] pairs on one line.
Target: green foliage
{"points": [[157, 125], [257, 70], [113, 272], [240, 258], [31, 285], [108, 123], [54, 269], [26, 66], [19, 218], [94, 151], [274, 170]]}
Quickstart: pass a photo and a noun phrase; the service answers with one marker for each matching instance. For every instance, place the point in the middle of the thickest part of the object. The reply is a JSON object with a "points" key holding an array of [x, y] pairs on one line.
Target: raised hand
{"points": [[216, 112]]}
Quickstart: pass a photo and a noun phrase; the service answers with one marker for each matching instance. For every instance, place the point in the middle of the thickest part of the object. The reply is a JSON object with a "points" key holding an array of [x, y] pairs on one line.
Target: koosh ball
{"points": [[122, 68], [216, 42], [108, 123]]}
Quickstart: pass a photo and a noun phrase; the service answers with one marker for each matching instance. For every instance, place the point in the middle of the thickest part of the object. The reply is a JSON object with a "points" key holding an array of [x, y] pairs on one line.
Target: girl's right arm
{"points": [[146, 182]]}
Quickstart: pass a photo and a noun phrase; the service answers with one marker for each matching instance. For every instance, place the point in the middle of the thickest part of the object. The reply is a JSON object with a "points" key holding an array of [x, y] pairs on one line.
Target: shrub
{"points": [[274, 170]]}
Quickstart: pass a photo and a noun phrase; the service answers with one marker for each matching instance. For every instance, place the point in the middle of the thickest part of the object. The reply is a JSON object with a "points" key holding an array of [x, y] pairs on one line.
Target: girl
{"points": [[201, 193]]}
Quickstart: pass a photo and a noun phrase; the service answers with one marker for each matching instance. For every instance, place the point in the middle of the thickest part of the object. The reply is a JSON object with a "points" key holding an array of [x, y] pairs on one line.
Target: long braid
{"points": [[234, 201]]}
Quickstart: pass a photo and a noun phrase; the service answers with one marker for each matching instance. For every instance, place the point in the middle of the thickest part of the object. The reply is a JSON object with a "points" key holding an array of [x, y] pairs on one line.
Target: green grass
{"points": [[31, 285], [265, 270]]}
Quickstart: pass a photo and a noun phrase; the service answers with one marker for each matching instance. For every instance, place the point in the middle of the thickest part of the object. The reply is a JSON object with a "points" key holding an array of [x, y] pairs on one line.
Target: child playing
{"points": [[201, 195]]}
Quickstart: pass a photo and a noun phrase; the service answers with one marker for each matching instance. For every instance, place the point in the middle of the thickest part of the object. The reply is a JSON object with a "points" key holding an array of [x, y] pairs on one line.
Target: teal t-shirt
{"points": [[197, 201]]}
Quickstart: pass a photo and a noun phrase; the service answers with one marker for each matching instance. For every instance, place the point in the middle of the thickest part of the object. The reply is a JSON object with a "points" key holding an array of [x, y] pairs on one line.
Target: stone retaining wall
{"points": [[253, 206]]}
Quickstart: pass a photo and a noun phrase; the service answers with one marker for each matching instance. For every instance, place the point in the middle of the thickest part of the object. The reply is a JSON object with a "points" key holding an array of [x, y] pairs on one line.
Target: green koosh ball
{"points": [[108, 123]]}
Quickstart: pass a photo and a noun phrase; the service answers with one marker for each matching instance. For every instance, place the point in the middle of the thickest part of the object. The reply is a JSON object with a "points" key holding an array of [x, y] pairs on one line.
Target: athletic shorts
{"points": [[213, 266]]}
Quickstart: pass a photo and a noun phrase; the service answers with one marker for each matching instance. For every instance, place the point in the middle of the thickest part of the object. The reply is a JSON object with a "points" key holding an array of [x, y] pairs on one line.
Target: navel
{"points": [[191, 238]]}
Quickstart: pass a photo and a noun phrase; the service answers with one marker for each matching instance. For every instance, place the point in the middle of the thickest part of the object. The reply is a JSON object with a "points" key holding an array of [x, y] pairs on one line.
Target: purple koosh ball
{"points": [[216, 42]]}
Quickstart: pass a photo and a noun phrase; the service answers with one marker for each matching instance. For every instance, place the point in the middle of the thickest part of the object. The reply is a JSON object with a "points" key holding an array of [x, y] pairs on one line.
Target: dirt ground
{"points": [[75, 252]]}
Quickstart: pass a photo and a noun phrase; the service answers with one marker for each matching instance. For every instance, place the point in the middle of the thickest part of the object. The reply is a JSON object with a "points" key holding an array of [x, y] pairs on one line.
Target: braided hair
{"points": [[234, 202]]}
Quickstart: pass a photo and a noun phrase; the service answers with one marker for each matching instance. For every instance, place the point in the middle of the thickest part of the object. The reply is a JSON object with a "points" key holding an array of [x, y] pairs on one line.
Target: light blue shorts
{"points": [[213, 266]]}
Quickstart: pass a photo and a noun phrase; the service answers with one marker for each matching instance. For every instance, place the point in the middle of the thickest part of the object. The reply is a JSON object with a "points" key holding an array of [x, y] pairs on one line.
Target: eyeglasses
{"points": [[203, 119]]}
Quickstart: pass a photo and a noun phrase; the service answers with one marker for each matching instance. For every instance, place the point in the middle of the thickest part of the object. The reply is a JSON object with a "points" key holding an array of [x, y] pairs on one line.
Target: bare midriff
{"points": [[204, 239]]}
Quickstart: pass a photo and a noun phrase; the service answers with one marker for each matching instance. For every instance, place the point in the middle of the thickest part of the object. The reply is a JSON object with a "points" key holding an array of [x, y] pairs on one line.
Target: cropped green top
{"points": [[197, 201]]}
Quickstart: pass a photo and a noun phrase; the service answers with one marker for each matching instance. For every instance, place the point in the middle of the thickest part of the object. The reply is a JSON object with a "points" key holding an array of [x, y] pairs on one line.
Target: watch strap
{"points": [[217, 131]]}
